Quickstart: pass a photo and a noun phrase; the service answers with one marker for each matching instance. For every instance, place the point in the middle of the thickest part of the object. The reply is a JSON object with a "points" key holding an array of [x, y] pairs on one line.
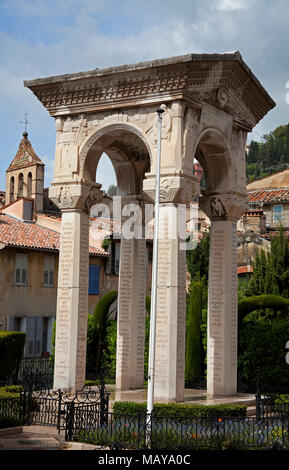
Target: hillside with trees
{"points": [[270, 155]]}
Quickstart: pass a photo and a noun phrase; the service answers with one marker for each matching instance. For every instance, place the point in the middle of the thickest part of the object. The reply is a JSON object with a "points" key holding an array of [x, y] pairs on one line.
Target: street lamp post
{"points": [[152, 338]]}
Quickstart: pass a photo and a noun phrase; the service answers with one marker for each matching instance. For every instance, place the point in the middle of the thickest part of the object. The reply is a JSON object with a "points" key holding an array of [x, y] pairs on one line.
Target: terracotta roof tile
{"points": [[274, 195], [15, 232]]}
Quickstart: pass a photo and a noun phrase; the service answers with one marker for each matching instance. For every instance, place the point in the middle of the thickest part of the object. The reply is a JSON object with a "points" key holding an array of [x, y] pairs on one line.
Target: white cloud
{"points": [[232, 5]]}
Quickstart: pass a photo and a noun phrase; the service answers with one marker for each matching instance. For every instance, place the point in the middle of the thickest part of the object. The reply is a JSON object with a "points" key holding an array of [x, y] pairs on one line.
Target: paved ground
{"points": [[191, 396], [37, 438]]}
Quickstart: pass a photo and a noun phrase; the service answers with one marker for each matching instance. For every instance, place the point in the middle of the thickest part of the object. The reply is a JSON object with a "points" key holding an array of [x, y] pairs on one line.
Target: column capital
{"points": [[176, 188], [225, 206], [123, 208], [76, 195]]}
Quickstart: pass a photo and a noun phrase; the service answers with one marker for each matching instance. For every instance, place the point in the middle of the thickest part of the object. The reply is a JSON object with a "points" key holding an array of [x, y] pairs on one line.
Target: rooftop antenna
{"points": [[25, 122]]}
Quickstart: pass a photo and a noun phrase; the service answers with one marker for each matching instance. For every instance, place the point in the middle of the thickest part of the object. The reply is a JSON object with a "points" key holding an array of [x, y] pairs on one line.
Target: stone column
{"points": [[222, 335], [171, 287], [75, 201], [131, 300]]}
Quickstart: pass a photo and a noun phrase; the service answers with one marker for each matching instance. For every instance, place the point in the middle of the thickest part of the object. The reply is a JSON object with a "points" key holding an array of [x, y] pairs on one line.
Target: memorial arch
{"points": [[210, 103]]}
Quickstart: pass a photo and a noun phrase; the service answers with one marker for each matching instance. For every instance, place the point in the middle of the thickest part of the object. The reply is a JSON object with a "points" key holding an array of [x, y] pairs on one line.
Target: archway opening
{"points": [[128, 154], [211, 166], [20, 185], [11, 189], [29, 184]]}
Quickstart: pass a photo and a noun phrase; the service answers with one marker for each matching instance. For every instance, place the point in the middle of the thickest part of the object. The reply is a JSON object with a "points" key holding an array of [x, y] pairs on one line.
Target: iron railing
{"points": [[271, 405], [167, 433]]}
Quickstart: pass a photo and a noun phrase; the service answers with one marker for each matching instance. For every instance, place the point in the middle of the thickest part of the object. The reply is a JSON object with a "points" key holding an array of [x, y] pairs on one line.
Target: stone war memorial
{"points": [[210, 102]]}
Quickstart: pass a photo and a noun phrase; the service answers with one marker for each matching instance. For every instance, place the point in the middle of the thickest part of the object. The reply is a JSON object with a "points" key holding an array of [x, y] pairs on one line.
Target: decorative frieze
{"points": [[222, 80]]}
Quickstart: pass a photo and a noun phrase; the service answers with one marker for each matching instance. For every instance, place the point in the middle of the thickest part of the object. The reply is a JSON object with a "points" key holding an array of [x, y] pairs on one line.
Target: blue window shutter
{"points": [[93, 285]]}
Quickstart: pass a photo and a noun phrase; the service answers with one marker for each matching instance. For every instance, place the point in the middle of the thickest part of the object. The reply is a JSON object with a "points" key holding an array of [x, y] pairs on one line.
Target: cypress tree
{"points": [[194, 362]]}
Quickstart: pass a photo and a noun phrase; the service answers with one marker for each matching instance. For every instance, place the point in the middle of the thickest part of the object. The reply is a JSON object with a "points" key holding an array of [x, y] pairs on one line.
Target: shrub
{"points": [[10, 391], [262, 353], [11, 351], [176, 410]]}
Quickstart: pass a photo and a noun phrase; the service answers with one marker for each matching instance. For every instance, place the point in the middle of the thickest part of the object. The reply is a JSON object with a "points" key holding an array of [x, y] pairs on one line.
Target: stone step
{"points": [[251, 411], [22, 443]]}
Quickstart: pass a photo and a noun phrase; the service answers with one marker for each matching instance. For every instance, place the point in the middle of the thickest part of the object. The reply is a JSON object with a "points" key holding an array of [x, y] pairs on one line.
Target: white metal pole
{"points": [[152, 339]]}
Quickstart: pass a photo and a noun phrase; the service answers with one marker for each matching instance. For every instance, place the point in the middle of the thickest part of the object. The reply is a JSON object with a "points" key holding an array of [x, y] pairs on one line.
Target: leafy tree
{"points": [[198, 260], [269, 155], [112, 190], [271, 270]]}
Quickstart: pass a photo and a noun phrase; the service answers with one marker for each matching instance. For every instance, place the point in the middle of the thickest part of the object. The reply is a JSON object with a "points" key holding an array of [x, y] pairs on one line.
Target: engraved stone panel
{"points": [[222, 311], [72, 302]]}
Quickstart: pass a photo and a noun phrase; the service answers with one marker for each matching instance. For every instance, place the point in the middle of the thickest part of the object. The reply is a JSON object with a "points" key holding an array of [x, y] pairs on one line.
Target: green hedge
{"points": [[181, 410], [10, 391], [261, 356], [11, 351]]}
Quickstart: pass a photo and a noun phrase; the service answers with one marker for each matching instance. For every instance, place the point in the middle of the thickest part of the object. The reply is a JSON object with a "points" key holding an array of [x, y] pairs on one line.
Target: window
{"points": [[48, 272], [33, 344], [38, 333], [108, 265], [116, 258], [277, 213], [21, 268], [93, 284]]}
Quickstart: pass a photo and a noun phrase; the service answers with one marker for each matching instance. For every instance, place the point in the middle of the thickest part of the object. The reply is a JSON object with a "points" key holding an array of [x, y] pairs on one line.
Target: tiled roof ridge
{"points": [[269, 195], [268, 190], [25, 155]]}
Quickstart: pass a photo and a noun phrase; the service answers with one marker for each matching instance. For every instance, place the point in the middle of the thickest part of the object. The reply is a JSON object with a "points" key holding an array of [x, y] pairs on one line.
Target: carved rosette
{"points": [[224, 206], [173, 189], [77, 196]]}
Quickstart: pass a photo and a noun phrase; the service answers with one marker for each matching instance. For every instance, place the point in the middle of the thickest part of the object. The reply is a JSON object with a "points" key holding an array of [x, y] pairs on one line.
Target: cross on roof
{"points": [[25, 122]]}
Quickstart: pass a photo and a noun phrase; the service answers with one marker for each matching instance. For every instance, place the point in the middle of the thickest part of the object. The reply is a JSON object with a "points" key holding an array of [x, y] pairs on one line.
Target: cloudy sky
{"points": [[39, 38]]}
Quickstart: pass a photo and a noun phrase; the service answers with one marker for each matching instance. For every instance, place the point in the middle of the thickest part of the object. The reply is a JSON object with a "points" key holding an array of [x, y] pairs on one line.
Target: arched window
{"points": [[29, 184], [20, 185], [11, 189]]}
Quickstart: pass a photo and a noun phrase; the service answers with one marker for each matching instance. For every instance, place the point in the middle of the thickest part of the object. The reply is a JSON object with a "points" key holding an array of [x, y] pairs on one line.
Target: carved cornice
{"points": [[223, 80], [75, 196]]}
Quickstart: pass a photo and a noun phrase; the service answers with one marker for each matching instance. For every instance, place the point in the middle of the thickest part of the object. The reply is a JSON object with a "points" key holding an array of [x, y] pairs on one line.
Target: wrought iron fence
{"points": [[270, 405], [12, 412], [167, 433], [84, 417], [35, 373], [53, 407]]}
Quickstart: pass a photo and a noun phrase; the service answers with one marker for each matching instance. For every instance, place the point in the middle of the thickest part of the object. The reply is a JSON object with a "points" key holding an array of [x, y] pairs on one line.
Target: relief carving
{"points": [[166, 126], [191, 123], [224, 206], [65, 199], [173, 189], [217, 207], [76, 196], [94, 197]]}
